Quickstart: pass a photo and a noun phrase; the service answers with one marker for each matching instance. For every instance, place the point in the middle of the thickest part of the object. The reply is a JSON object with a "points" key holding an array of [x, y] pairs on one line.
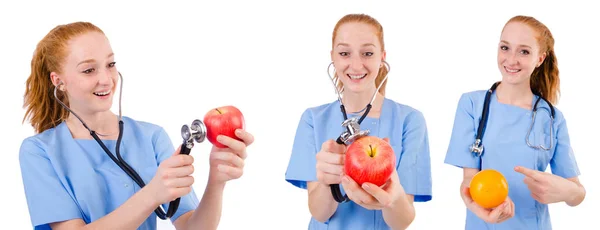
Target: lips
{"points": [[356, 76], [102, 93], [510, 70]]}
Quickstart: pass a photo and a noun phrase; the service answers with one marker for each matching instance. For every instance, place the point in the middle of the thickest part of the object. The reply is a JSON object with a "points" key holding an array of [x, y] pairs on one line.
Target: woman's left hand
{"points": [[546, 188], [371, 196], [228, 163]]}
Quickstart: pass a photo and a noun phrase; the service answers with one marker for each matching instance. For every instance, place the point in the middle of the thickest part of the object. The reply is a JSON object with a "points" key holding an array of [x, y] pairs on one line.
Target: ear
{"points": [[331, 55], [541, 59], [56, 80], [382, 58]]}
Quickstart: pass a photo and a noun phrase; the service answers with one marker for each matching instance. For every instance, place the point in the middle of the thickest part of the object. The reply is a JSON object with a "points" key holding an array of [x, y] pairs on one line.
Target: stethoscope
{"points": [[198, 135], [477, 147], [351, 125]]}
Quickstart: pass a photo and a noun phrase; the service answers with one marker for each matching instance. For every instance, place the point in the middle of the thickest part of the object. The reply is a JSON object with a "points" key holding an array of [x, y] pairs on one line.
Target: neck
{"points": [[105, 124], [356, 101], [519, 95]]}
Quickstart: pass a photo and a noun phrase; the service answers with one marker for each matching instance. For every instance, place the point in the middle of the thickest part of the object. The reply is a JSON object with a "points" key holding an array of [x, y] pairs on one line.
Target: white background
{"points": [[180, 59]]}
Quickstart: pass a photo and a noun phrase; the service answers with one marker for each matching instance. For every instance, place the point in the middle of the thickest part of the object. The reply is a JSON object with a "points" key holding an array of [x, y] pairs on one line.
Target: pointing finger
{"points": [[534, 174]]}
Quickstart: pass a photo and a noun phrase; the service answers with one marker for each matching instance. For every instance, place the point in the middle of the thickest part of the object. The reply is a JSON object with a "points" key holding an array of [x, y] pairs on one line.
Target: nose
{"points": [[106, 77], [356, 63], [511, 58]]}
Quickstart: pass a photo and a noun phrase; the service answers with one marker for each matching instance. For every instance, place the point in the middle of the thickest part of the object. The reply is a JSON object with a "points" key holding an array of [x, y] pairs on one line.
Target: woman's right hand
{"points": [[330, 163], [173, 178], [499, 214]]}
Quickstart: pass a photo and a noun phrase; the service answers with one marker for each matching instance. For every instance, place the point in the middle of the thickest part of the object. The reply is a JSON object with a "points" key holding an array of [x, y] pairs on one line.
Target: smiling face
{"points": [[89, 73], [518, 53], [357, 55]]}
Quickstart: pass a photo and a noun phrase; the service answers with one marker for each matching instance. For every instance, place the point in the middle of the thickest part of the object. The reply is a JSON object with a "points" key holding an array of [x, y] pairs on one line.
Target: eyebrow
{"points": [[366, 44], [503, 41], [92, 60]]}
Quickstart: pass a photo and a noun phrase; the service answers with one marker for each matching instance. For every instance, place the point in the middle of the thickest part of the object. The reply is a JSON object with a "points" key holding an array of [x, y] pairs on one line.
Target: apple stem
{"points": [[371, 152], [219, 111]]}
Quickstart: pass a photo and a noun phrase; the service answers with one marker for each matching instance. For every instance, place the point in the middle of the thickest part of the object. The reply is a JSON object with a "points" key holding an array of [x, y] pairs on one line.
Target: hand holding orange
{"points": [[488, 188]]}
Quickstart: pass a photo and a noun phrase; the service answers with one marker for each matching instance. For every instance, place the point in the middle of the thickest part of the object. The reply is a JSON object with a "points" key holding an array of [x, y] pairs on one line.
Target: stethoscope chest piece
{"points": [[477, 148], [353, 131], [199, 134]]}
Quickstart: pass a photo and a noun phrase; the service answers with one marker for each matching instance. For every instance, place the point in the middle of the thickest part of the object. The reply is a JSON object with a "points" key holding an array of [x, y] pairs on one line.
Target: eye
{"points": [[368, 54], [87, 71], [525, 52], [344, 53], [112, 64], [504, 47]]}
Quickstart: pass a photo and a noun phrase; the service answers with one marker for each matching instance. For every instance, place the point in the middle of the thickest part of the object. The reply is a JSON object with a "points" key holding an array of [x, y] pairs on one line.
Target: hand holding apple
{"points": [[373, 197], [223, 121], [228, 163]]}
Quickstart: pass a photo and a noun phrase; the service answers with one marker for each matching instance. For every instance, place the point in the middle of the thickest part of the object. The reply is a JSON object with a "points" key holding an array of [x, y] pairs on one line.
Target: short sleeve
{"points": [[47, 199], [563, 162], [302, 164], [414, 168], [164, 149], [463, 136]]}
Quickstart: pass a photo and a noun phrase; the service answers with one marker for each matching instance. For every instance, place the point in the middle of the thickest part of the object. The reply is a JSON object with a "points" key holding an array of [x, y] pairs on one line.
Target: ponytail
{"points": [[545, 81]]}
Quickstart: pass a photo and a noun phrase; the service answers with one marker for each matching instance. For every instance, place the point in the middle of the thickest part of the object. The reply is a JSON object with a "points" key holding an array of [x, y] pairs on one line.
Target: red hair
{"points": [[41, 106], [544, 79]]}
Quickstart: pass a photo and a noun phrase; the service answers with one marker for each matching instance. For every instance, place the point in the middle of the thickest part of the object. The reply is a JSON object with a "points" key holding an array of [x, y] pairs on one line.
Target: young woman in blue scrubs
{"points": [[71, 183], [317, 160], [528, 64]]}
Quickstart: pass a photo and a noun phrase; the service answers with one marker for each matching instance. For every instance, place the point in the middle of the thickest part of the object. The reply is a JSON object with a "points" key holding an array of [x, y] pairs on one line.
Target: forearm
{"points": [[320, 201], [208, 212], [130, 215], [401, 214], [576, 195]]}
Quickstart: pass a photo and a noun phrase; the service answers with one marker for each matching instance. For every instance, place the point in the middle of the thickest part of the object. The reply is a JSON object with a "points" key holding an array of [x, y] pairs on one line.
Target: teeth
{"points": [[512, 70], [102, 93], [357, 76]]}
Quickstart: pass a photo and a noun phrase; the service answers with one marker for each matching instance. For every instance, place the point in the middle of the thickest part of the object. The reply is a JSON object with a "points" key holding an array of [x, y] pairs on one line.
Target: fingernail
{"points": [[238, 132], [366, 186]]}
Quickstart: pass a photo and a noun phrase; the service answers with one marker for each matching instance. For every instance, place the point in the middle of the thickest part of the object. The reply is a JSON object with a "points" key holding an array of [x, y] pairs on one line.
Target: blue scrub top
{"points": [[407, 131], [66, 178], [505, 147]]}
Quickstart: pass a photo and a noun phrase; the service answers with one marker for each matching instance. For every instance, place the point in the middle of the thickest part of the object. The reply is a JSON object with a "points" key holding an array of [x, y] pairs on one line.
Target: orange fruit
{"points": [[488, 188]]}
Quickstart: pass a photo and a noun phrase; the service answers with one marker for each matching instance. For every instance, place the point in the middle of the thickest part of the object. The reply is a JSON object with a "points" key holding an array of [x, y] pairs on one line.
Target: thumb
{"points": [[495, 214], [177, 151]]}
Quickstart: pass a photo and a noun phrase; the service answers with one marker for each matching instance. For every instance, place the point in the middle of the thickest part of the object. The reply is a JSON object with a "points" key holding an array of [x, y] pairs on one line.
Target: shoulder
{"points": [[37, 145], [407, 113], [318, 111], [143, 128]]}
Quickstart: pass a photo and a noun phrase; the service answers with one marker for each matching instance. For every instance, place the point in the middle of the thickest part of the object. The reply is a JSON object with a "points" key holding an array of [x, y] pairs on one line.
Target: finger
{"points": [[178, 161], [228, 157], [238, 147], [179, 192], [328, 179], [494, 215], [246, 137], [180, 182], [534, 174], [178, 172], [466, 194], [177, 151], [334, 147], [232, 172], [330, 168], [378, 193], [357, 192], [331, 158], [386, 139]]}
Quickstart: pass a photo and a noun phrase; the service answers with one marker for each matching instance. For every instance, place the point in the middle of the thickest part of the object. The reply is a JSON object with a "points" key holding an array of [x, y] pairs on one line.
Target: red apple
{"points": [[370, 159], [223, 121]]}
